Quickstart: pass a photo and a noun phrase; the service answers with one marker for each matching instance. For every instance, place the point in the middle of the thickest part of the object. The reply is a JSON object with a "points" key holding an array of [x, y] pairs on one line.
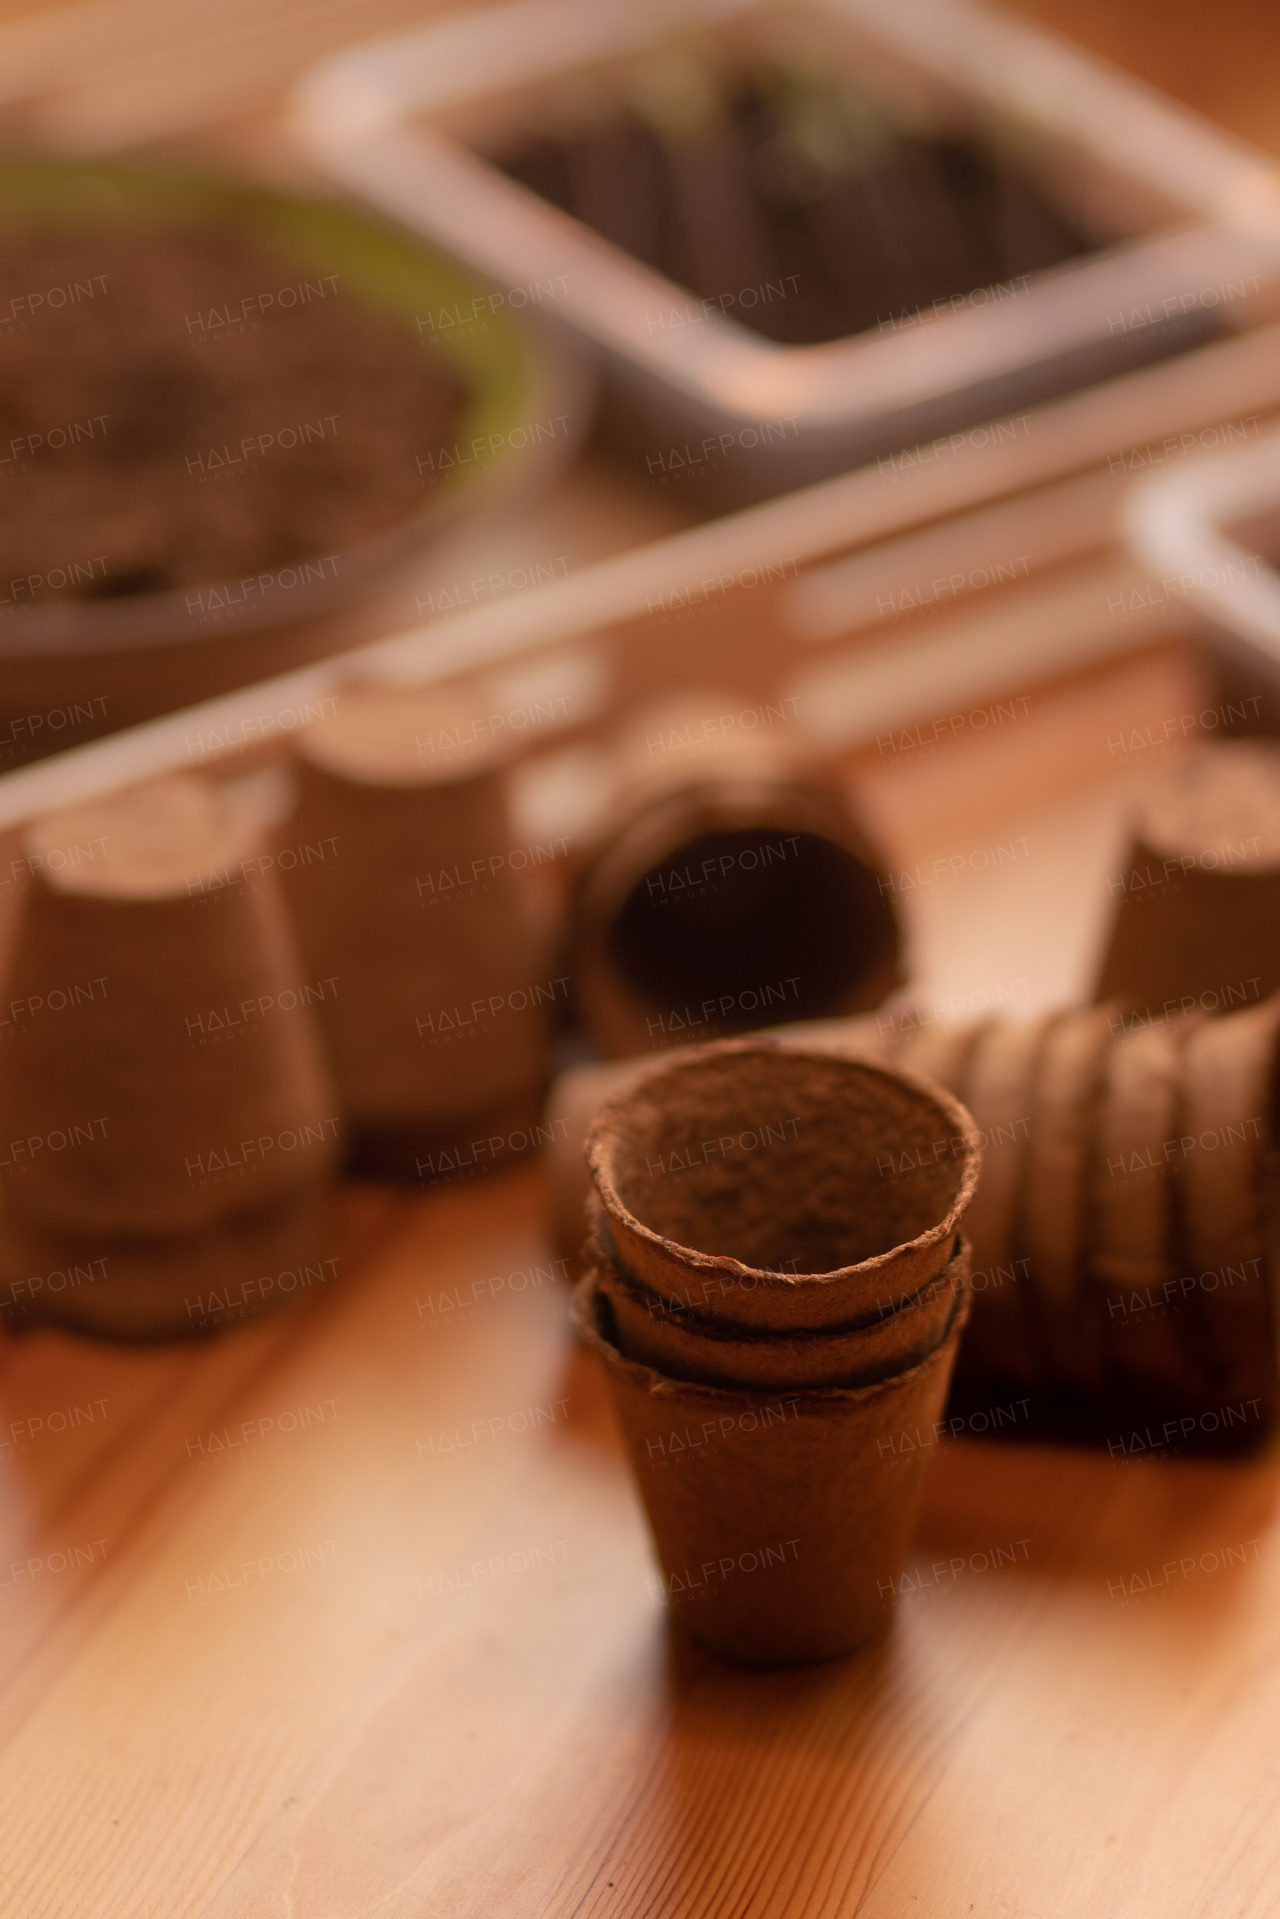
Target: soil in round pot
{"points": [[221, 409]]}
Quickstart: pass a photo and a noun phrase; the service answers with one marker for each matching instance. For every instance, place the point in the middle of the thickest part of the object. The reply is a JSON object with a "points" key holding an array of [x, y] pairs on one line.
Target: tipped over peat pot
{"points": [[1126, 1260], [738, 902], [171, 1167], [222, 422]]}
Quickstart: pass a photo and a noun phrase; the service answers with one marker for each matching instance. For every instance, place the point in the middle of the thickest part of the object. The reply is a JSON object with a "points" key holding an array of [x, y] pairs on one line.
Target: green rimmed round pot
{"points": [[82, 665]]}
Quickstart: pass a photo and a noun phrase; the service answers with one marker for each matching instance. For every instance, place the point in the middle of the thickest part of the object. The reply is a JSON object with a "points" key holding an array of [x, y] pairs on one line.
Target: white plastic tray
{"points": [[398, 119]]}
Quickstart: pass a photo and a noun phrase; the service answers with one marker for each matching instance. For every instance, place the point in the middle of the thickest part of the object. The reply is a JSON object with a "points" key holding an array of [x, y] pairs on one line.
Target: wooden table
{"points": [[350, 1613]]}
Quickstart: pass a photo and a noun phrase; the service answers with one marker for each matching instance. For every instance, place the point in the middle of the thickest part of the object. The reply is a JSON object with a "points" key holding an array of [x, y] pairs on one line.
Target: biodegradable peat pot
{"points": [[998, 1078], [440, 1023], [142, 1288], [1197, 904], [779, 1188], [781, 1520], [1227, 1176], [729, 904], [175, 1123], [688, 1345], [579, 1092], [1130, 1214], [1066, 1099]]}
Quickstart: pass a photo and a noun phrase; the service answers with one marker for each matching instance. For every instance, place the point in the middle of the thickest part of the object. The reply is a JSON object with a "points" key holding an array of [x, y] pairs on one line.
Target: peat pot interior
{"points": [[795, 1164]]}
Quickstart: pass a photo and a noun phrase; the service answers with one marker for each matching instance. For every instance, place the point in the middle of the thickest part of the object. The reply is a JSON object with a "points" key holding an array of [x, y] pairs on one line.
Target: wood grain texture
{"points": [[1073, 1715], [469, 1701]]}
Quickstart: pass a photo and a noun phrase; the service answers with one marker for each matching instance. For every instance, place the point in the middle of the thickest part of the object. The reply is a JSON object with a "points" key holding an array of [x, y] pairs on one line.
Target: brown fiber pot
{"points": [[1196, 905], [417, 905], [175, 1121], [732, 902], [801, 1187], [1226, 1172], [688, 1345], [781, 1520], [577, 1094]]}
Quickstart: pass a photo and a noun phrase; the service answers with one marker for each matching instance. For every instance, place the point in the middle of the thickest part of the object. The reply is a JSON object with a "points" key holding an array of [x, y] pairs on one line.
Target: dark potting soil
{"points": [[793, 208], [170, 415]]}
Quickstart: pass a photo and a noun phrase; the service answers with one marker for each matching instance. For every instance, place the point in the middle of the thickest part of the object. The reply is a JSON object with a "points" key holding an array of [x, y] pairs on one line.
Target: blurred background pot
{"points": [[114, 660]]}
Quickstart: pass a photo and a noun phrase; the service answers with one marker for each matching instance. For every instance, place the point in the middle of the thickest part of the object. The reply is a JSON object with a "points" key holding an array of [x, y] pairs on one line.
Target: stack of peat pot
{"points": [[1125, 1230], [771, 1308]]}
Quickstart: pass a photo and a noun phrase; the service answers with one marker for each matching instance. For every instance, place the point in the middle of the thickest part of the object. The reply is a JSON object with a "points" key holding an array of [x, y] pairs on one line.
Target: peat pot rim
{"points": [[584, 1316], [600, 1252], [722, 1265]]}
